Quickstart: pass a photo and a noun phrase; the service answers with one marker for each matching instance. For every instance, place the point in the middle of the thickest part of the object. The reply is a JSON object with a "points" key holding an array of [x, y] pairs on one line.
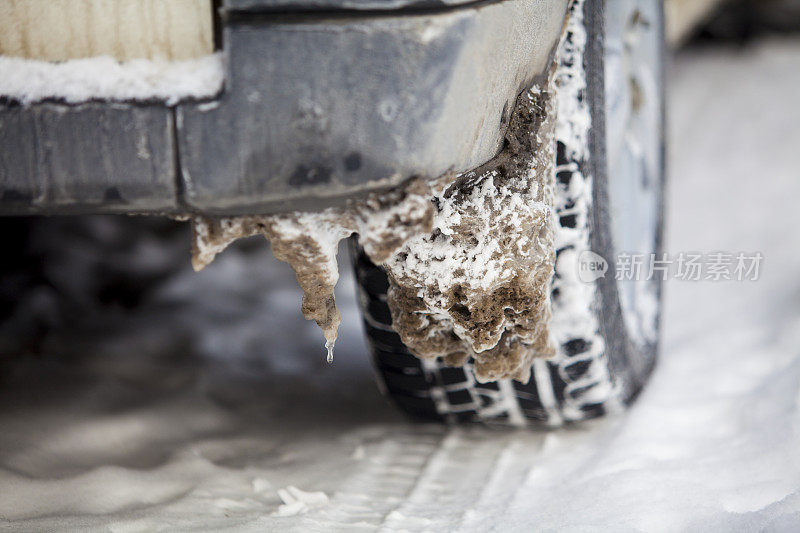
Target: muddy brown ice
{"points": [[469, 257]]}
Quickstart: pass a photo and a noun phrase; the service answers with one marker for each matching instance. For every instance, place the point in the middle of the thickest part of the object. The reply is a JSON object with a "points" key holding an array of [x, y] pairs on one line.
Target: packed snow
{"points": [[206, 405], [105, 78]]}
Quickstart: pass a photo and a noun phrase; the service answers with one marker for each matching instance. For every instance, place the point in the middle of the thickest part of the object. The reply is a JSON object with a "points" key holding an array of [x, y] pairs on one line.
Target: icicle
{"points": [[329, 346]]}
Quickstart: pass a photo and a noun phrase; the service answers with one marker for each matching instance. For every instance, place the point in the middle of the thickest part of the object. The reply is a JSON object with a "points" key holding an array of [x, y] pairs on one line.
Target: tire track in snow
{"points": [[389, 475], [450, 483], [509, 474]]}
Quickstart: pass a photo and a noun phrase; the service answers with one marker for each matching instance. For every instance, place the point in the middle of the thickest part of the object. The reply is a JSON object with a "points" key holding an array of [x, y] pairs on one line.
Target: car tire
{"points": [[601, 369]]}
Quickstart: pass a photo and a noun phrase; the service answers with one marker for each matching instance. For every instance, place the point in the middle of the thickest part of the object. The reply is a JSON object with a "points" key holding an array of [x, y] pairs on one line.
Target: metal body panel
{"points": [[322, 110], [114, 158], [309, 5], [316, 108]]}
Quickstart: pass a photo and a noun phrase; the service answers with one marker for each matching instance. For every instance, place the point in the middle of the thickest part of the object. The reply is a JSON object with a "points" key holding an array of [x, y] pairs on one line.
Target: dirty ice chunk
{"points": [[478, 285], [383, 220]]}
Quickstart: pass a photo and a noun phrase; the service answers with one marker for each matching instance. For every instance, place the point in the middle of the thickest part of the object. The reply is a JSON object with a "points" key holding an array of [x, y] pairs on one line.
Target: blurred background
{"points": [[137, 395]]}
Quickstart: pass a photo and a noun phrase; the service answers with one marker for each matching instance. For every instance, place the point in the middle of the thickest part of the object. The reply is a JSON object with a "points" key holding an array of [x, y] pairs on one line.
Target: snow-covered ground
{"points": [[209, 404]]}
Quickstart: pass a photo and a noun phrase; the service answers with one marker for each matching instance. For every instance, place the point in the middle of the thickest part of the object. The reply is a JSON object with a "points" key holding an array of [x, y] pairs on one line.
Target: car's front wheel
{"points": [[609, 192]]}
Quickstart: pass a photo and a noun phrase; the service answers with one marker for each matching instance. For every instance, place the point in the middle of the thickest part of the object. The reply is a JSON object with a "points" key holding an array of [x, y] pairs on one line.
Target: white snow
{"points": [[573, 314], [133, 431], [296, 501], [103, 77]]}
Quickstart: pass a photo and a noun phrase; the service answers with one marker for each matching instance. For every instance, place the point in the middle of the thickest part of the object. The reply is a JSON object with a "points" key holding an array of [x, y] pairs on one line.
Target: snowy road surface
{"points": [[210, 405]]}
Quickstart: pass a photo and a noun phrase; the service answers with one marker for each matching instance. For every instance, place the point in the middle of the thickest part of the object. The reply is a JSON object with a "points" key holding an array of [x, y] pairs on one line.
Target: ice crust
{"points": [[309, 241], [469, 257], [478, 285]]}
